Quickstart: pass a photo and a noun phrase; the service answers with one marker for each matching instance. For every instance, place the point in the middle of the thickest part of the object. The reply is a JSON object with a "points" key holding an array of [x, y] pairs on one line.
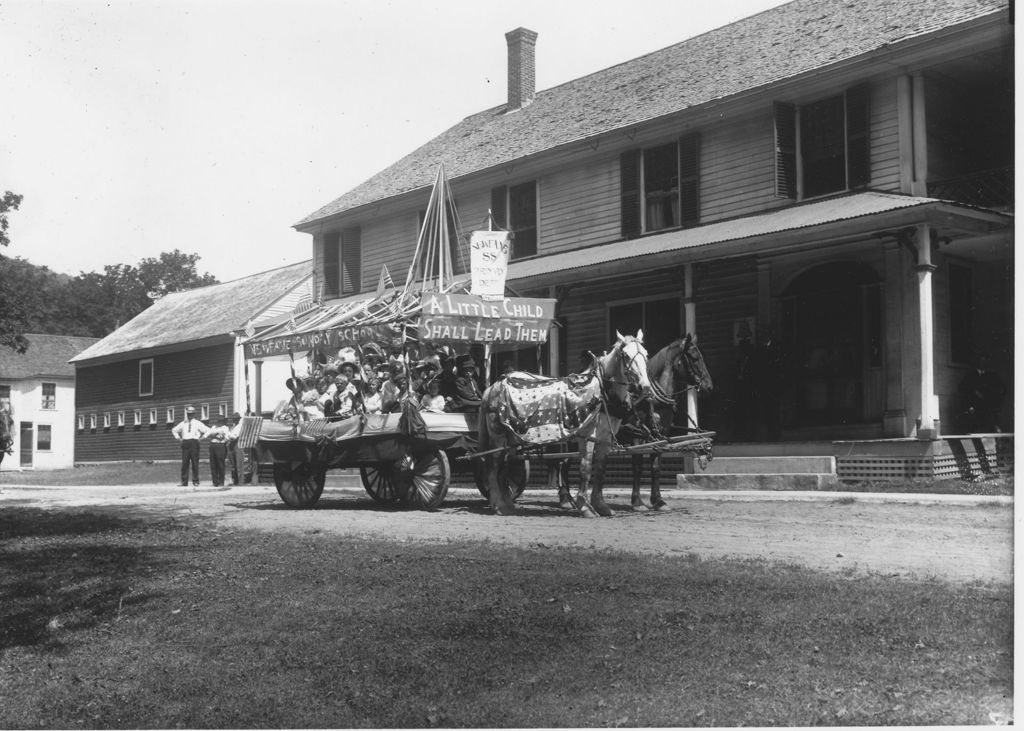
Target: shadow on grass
{"points": [[65, 572]]}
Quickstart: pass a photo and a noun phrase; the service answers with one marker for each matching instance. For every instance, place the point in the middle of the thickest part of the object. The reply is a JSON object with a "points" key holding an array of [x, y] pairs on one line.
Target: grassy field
{"points": [[155, 623]]}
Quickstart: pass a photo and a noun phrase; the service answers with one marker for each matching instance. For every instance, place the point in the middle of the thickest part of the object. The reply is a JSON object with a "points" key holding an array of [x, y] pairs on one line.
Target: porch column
{"points": [[554, 339], [929, 427], [257, 387], [690, 326]]}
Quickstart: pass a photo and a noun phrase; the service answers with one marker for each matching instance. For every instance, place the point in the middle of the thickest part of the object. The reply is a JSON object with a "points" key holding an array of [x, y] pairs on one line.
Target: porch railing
{"points": [[986, 188]]}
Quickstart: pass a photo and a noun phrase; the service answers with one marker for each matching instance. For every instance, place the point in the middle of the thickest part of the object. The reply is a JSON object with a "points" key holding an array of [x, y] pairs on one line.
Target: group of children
{"points": [[349, 385]]}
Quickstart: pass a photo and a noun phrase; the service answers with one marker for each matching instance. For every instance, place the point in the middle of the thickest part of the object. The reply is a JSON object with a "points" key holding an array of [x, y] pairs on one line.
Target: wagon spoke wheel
{"points": [[517, 474], [299, 485], [423, 479], [379, 484]]}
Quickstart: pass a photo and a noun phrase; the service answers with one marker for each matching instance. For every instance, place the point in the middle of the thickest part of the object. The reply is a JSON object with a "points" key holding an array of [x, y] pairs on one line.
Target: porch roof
{"points": [[866, 211]]}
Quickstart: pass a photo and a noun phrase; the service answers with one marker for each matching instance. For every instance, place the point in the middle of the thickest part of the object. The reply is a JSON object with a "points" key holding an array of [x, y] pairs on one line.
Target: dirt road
{"points": [[953, 538]]}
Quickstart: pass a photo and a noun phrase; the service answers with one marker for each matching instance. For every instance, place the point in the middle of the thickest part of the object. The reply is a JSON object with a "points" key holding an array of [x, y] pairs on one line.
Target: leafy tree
{"points": [[13, 310]]}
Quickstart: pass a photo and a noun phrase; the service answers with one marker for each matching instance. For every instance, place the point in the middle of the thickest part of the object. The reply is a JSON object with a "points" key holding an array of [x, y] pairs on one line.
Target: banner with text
{"points": [[488, 261], [468, 318], [385, 335]]}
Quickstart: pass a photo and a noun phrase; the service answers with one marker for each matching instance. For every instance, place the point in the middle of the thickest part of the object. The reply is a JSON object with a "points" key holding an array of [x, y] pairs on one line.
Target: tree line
{"points": [[34, 299]]}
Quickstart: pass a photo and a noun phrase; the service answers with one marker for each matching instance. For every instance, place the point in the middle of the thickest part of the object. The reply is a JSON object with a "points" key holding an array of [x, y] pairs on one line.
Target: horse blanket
{"points": [[539, 410]]}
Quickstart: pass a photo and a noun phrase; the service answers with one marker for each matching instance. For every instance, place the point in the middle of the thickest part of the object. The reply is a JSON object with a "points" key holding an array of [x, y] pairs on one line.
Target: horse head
{"points": [[691, 360], [628, 360]]}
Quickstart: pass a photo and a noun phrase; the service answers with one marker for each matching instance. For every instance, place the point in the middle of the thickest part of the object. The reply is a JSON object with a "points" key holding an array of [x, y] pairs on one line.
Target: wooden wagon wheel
{"points": [[379, 483], [301, 486], [517, 473], [422, 479]]}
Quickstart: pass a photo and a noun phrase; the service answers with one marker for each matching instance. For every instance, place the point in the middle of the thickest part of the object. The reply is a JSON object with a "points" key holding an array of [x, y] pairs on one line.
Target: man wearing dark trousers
{"points": [[189, 432]]}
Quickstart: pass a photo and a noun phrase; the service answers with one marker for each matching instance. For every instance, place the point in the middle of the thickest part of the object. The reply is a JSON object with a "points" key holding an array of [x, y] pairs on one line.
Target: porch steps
{"points": [[790, 472]]}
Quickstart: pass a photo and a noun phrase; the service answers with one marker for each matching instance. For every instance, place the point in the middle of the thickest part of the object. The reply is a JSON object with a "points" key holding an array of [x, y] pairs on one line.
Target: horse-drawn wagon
{"points": [[408, 457]]}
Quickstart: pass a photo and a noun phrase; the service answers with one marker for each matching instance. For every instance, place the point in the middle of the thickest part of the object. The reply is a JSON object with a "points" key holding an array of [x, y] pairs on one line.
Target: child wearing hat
{"points": [[467, 390]]}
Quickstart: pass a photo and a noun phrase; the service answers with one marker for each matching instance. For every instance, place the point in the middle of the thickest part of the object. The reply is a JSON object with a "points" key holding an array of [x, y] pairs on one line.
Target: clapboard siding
{"points": [[885, 143], [737, 174], [580, 206], [197, 376]]}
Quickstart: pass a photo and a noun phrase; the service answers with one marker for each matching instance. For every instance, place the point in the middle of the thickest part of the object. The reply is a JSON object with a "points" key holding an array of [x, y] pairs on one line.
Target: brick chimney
{"points": [[522, 84]]}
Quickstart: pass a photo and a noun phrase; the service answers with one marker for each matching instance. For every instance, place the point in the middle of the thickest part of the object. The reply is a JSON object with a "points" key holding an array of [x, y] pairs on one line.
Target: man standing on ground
{"points": [[236, 460], [189, 432], [218, 436]]}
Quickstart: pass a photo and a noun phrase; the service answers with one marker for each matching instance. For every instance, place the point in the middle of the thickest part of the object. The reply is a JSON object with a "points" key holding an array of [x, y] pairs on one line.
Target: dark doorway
{"points": [[26, 443], [832, 330]]}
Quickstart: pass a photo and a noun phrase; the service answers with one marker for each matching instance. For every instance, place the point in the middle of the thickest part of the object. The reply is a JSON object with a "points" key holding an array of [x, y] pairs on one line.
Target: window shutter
{"points": [[689, 179], [351, 255], [858, 137], [499, 198], [785, 150], [332, 261], [629, 176]]}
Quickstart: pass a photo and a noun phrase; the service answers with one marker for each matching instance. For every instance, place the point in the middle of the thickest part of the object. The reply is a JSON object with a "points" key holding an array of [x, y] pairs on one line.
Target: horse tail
{"points": [[483, 437]]}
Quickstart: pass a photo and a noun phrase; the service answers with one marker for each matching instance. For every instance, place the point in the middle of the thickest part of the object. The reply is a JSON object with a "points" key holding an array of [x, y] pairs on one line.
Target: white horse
{"points": [[617, 379]]}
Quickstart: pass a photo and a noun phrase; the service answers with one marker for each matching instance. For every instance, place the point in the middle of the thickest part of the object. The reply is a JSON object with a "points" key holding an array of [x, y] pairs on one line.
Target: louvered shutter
{"points": [[499, 202], [351, 260], [689, 179], [332, 261], [785, 150], [629, 175], [858, 137]]}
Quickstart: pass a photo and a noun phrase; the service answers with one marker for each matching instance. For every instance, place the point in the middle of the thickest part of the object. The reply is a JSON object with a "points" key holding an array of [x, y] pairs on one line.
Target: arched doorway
{"points": [[832, 323]]}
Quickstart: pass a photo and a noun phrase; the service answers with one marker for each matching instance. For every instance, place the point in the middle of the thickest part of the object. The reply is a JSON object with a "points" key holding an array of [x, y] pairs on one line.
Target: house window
{"points": [[515, 208], [222, 409], [120, 418], [660, 319], [49, 396], [146, 377], [138, 417], [92, 421], [44, 437], [660, 187], [822, 147], [170, 414], [106, 420], [81, 422], [204, 412], [152, 416], [961, 314], [342, 262]]}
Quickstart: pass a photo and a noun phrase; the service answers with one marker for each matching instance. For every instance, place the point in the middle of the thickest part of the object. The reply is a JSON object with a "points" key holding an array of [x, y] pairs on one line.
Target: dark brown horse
{"points": [[673, 370], [617, 380]]}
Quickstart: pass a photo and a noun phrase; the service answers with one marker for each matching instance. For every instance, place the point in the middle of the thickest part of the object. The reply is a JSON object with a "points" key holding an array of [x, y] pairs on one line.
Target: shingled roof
{"points": [[784, 42], [47, 357], [197, 314]]}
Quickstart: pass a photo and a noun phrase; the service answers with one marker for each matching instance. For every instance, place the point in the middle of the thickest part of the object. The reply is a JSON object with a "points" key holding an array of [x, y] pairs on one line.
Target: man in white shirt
{"points": [[189, 432]]}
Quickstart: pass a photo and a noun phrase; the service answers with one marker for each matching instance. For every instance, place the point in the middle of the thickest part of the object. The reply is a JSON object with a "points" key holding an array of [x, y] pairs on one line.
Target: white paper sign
{"points": [[488, 259]]}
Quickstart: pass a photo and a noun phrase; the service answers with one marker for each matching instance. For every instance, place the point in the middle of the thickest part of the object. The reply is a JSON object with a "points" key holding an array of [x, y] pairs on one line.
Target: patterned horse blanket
{"points": [[538, 410]]}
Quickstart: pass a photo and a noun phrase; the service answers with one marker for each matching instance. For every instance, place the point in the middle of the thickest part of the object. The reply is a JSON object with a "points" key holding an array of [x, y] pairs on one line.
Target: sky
{"points": [[135, 127]]}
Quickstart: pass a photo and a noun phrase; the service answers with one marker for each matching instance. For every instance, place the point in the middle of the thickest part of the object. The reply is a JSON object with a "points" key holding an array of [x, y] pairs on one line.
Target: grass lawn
{"points": [[133, 623]]}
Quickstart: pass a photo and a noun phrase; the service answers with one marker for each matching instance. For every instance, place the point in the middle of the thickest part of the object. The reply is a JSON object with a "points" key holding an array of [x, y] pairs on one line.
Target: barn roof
{"points": [[777, 44], [47, 357], [197, 314]]}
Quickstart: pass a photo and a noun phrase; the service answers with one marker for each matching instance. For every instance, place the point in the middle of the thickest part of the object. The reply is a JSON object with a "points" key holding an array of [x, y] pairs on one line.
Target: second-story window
{"points": [[343, 262], [49, 396], [822, 147], [515, 208], [661, 187]]}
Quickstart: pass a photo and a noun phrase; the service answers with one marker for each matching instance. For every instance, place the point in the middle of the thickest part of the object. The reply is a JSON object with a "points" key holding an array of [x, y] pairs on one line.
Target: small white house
{"points": [[37, 388]]}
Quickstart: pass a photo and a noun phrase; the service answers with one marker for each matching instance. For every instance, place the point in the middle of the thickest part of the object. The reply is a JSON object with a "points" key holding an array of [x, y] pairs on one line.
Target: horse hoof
{"points": [[566, 505], [587, 512], [640, 508], [504, 510], [605, 512], [661, 505]]}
